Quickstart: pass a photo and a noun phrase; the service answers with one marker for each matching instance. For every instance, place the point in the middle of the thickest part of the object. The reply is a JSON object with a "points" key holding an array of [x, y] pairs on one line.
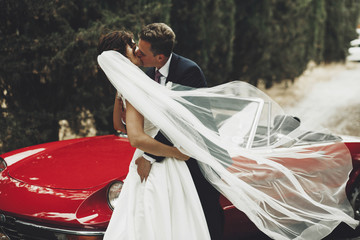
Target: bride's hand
{"points": [[143, 168]]}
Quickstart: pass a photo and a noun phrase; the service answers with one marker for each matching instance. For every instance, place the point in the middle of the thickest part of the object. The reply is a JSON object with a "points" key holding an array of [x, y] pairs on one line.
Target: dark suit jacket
{"points": [[181, 71]]}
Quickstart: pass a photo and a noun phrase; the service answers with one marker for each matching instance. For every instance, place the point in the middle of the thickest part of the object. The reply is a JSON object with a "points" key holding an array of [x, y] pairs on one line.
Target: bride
{"points": [[166, 204], [292, 202]]}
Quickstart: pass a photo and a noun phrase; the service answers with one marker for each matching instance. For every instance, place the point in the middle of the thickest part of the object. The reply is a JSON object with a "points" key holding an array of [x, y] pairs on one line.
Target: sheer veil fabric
{"points": [[290, 181]]}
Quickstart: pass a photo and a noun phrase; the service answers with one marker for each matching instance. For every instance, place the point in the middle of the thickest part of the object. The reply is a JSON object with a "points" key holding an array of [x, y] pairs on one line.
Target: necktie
{"points": [[157, 76]]}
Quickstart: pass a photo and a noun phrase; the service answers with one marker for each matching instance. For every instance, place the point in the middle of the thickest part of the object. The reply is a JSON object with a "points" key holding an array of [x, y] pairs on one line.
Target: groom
{"points": [[155, 50]]}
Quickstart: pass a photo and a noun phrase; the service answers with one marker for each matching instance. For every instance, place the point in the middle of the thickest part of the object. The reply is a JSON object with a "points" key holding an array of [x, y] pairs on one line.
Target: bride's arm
{"points": [[139, 139], [118, 114]]}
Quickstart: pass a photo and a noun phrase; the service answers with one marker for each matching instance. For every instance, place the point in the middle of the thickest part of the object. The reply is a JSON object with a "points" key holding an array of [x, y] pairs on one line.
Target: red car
{"points": [[65, 189]]}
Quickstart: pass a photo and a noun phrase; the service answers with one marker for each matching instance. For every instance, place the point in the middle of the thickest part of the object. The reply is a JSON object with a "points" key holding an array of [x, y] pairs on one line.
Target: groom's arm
{"points": [[188, 74]]}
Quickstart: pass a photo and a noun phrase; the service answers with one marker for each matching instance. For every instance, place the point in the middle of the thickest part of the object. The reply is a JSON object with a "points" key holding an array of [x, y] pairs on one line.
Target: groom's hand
{"points": [[143, 168]]}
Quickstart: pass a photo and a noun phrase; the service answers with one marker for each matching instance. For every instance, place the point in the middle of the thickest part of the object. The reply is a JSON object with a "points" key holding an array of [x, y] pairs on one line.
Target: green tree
{"points": [[276, 39], [48, 69], [340, 28], [252, 49], [205, 33]]}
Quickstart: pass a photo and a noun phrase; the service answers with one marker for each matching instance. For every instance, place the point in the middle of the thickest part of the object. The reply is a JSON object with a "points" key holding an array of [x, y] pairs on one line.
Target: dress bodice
{"points": [[149, 128]]}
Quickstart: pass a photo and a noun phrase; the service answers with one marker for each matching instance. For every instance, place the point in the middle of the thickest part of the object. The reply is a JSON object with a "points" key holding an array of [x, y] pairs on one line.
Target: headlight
{"points": [[2, 164], [113, 193]]}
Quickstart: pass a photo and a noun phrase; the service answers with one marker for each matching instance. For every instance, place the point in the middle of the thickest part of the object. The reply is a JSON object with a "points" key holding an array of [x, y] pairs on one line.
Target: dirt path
{"points": [[328, 95]]}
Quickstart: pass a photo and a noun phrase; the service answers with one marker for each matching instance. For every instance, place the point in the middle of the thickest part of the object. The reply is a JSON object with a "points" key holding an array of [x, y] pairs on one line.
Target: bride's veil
{"points": [[288, 180]]}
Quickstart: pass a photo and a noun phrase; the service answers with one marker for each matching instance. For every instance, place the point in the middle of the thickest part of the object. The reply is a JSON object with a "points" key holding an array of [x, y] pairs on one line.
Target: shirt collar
{"points": [[164, 70]]}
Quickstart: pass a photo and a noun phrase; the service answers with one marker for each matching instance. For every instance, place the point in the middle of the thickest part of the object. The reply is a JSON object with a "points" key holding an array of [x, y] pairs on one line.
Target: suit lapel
{"points": [[172, 68]]}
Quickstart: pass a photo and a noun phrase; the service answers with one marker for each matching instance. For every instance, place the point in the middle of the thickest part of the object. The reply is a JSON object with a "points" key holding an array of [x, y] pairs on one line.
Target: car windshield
{"points": [[237, 119], [248, 118], [256, 121]]}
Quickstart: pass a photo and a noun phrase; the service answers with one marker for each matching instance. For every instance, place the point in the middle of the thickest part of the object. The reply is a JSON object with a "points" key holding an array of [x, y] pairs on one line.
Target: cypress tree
{"points": [[205, 33], [49, 72], [48, 69], [340, 28], [252, 49], [276, 39]]}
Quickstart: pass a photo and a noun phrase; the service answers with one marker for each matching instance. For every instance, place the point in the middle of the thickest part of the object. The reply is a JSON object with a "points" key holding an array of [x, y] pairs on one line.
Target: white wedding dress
{"points": [[164, 207]]}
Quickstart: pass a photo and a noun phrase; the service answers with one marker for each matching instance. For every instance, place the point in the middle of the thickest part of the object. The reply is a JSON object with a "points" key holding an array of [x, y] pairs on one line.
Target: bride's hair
{"points": [[160, 36], [116, 40]]}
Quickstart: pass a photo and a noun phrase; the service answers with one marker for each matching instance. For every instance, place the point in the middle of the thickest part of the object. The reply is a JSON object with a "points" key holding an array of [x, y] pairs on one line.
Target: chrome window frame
{"points": [[256, 121]]}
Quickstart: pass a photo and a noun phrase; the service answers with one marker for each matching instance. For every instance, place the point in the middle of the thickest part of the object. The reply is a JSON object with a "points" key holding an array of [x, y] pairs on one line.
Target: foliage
{"points": [[205, 33], [277, 38], [48, 69], [340, 25]]}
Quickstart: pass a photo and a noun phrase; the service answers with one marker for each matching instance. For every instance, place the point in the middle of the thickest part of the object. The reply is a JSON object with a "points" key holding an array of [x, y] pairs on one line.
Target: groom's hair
{"points": [[116, 40], [160, 36]]}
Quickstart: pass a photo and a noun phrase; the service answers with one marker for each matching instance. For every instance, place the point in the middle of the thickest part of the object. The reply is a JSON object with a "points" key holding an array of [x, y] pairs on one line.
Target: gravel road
{"points": [[328, 96]]}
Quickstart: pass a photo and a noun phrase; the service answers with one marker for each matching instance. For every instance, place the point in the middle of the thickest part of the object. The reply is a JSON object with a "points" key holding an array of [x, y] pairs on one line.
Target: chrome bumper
{"points": [[16, 229]]}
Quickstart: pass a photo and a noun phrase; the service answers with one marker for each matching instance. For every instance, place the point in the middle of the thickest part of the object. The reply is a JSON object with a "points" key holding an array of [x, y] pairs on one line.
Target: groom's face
{"points": [[144, 53]]}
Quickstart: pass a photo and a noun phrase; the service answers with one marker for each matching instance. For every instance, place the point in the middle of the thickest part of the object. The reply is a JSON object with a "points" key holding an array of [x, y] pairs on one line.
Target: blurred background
{"points": [[51, 87]]}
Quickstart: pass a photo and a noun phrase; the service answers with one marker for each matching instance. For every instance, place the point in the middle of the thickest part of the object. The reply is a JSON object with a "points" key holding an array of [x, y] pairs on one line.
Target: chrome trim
{"points": [[2, 218], [5, 164], [121, 134], [256, 122], [269, 123], [60, 230]]}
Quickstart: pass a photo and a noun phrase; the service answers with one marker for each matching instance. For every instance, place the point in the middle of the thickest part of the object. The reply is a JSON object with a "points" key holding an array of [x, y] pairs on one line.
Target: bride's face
{"points": [[130, 54]]}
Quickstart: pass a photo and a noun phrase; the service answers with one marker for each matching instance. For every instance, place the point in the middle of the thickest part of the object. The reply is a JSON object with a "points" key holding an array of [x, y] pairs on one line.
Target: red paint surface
{"points": [[65, 183]]}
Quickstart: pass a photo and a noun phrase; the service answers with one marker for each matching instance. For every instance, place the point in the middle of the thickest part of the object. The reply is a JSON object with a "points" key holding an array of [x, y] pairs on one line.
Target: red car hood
{"points": [[73, 164]]}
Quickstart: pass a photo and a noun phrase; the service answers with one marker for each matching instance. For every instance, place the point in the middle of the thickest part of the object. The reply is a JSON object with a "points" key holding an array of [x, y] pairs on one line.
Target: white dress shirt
{"points": [[164, 70]]}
